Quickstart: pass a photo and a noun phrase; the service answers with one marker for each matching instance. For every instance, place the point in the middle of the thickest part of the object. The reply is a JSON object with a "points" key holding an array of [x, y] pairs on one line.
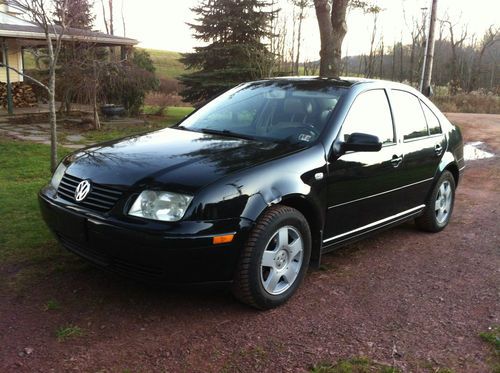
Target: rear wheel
{"points": [[437, 214], [274, 260]]}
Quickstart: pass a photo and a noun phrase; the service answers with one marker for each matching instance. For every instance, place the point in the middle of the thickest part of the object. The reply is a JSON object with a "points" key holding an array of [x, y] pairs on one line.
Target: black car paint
{"points": [[233, 181]]}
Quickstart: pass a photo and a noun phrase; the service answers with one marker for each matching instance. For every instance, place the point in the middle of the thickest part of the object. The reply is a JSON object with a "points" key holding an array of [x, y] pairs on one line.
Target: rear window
{"points": [[432, 120], [410, 119]]}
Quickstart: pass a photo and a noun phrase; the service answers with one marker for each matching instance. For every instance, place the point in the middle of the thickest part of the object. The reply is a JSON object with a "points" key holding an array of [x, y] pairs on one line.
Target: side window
{"points": [[410, 119], [432, 120], [370, 114]]}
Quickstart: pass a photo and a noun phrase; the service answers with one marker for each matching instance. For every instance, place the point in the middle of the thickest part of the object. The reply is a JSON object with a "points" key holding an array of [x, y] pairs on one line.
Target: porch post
{"points": [[10, 103]]}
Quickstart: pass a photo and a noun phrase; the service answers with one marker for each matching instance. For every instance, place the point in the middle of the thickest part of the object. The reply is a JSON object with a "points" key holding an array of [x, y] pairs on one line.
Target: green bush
{"points": [[126, 84]]}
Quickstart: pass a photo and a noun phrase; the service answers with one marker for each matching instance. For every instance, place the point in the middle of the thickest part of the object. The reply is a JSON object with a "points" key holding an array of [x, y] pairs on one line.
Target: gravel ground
{"points": [[413, 300]]}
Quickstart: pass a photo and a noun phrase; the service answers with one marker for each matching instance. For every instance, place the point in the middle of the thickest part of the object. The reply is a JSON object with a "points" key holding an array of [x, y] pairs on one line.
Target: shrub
{"points": [[169, 86], [160, 99], [473, 102], [126, 84]]}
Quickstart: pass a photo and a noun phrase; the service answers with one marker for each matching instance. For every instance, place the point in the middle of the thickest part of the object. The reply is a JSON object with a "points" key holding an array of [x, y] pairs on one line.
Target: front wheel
{"points": [[437, 214], [274, 260]]}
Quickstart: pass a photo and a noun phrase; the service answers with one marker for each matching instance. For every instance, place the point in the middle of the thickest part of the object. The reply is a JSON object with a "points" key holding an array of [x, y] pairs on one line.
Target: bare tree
{"points": [[491, 37], [370, 68], [302, 6], [292, 48], [123, 20], [111, 18], [381, 61], [40, 13], [393, 71], [456, 43], [108, 22], [429, 53], [415, 34]]}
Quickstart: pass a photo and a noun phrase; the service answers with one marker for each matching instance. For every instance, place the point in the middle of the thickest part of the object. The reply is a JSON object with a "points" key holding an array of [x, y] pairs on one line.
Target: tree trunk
{"points": [[339, 12], [371, 58], [293, 41], [111, 20], [429, 60], [332, 30], [53, 119], [412, 61], [381, 66], [52, 104], [393, 71], [299, 37], [401, 62]]}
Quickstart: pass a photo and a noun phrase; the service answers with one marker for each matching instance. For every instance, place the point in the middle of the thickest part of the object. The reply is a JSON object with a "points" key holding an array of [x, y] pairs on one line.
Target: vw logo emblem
{"points": [[82, 190]]}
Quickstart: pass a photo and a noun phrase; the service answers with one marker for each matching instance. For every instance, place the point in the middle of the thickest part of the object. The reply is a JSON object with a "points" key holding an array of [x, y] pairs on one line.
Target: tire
{"points": [[271, 267], [439, 208]]}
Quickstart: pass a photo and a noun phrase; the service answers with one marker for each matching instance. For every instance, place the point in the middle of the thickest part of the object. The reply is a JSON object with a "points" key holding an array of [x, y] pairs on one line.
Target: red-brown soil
{"points": [[402, 297]]}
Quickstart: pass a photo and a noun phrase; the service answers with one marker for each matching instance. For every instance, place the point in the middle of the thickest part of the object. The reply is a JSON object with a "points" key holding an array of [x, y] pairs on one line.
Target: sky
{"points": [[161, 24]]}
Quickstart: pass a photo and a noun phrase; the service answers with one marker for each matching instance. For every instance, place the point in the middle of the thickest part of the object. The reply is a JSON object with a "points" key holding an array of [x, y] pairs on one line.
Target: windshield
{"points": [[272, 110]]}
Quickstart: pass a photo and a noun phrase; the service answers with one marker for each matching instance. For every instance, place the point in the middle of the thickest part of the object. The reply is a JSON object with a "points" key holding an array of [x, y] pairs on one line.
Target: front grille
{"points": [[86, 252], [100, 198], [114, 264]]}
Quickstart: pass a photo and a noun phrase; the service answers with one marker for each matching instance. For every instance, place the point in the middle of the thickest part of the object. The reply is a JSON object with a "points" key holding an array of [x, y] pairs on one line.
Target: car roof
{"points": [[342, 81]]}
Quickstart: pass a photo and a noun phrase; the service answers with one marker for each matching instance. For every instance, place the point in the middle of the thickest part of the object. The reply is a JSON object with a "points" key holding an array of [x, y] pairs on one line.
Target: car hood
{"points": [[172, 159]]}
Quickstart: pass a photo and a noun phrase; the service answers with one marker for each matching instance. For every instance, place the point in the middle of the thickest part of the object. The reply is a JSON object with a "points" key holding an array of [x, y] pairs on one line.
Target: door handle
{"points": [[438, 149], [396, 160]]}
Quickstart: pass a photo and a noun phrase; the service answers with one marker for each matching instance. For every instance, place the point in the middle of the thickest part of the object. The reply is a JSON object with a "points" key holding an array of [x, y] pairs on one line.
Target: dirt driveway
{"points": [[415, 300]]}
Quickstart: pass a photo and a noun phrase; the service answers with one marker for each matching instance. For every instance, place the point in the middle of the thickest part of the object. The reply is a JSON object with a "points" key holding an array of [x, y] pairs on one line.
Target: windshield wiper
{"points": [[226, 133]]}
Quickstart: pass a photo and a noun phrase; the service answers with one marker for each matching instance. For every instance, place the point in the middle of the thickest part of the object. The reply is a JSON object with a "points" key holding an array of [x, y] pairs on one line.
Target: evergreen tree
{"points": [[235, 31], [79, 13], [76, 59]]}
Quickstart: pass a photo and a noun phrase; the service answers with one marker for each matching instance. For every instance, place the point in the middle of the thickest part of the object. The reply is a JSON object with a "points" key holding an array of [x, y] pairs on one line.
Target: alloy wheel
{"points": [[443, 202], [282, 260]]}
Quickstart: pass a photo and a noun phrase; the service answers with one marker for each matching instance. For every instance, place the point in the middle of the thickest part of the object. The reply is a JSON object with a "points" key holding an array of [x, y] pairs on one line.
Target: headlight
{"points": [[58, 175], [162, 206]]}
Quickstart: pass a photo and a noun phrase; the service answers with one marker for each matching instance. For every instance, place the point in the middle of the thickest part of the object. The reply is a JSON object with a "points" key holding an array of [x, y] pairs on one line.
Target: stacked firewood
{"points": [[22, 95]]}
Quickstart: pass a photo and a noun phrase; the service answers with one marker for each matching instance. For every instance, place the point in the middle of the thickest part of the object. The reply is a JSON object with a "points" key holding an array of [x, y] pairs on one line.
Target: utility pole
{"points": [[426, 36], [425, 86]]}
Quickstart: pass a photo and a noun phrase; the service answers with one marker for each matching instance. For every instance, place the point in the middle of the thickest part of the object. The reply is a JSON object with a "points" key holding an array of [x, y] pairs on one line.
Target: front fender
{"points": [[248, 193]]}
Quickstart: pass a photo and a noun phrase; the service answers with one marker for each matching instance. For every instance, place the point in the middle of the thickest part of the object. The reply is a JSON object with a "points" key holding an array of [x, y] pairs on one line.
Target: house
{"points": [[17, 34]]}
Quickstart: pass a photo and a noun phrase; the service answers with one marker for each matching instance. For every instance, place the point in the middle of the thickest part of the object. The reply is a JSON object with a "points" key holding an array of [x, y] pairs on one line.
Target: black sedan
{"points": [[256, 185]]}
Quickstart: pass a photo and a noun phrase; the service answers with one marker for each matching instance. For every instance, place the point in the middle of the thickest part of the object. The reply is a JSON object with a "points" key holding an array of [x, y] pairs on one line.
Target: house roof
{"points": [[14, 27]]}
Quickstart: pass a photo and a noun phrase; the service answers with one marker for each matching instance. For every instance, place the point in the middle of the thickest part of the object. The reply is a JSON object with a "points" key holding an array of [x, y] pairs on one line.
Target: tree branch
{"points": [[26, 76]]}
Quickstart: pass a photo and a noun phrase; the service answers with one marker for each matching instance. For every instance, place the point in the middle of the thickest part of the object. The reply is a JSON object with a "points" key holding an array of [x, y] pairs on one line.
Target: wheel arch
{"points": [[315, 220], [453, 168], [448, 163], [311, 211]]}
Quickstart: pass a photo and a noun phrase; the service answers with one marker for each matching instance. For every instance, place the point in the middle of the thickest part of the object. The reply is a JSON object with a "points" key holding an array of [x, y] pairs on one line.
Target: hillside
{"points": [[167, 63]]}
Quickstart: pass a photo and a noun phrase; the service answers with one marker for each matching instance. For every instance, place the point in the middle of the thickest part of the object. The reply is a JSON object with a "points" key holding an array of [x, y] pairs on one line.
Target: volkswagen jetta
{"points": [[257, 184]]}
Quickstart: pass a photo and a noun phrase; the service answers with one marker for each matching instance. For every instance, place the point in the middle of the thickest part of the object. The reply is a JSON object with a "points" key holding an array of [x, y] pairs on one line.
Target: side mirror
{"points": [[361, 142]]}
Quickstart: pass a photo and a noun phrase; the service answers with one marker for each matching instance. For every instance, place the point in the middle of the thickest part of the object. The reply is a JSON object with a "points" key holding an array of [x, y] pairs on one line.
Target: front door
{"points": [[362, 186]]}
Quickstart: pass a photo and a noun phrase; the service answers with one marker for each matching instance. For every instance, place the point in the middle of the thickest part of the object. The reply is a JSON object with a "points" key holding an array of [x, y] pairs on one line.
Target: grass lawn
{"points": [[25, 169], [167, 63], [171, 113]]}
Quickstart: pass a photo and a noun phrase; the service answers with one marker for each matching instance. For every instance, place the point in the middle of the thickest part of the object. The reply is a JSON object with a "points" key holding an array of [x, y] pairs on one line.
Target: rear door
{"points": [[423, 145]]}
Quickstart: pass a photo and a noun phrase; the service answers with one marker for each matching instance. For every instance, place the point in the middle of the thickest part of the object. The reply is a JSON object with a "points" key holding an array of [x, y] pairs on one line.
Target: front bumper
{"points": [[180, 252]]}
